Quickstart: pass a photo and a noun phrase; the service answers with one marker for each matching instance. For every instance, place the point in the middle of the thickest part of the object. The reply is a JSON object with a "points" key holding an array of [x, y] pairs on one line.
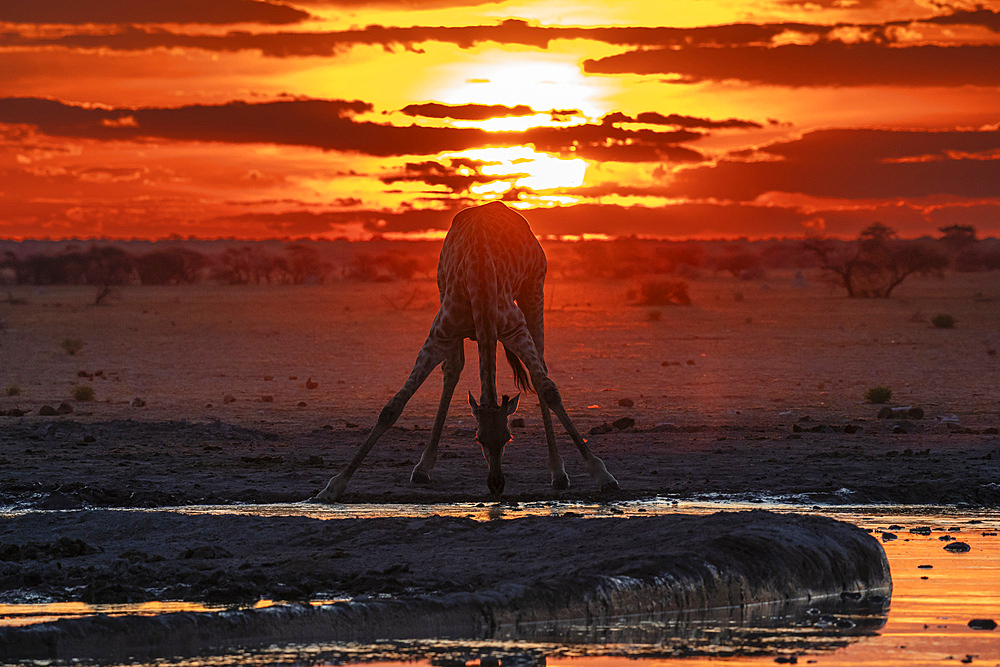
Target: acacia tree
{"points": [[877, 262]]}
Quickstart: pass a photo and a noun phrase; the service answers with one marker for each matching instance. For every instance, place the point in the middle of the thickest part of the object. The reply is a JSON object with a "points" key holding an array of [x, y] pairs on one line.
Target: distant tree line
{"points": [[871, 265], [251, 264]]}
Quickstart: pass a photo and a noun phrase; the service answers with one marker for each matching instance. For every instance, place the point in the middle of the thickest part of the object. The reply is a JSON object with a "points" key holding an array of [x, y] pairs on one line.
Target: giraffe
{"points": [[490, 277]]}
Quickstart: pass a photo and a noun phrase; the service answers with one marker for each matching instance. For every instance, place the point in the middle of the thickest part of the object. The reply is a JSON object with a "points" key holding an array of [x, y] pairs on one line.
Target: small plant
{"points": [[658, 292], [83, 392], [943, 321], [71, 345], [878, 394], [13, 390]]}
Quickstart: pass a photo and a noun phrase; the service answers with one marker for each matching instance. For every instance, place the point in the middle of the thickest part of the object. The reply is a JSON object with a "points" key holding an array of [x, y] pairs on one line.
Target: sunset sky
{"points": [[349, 118]]}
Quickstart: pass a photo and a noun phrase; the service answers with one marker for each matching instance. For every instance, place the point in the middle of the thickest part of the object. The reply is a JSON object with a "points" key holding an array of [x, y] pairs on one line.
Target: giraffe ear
{"points": [[512, 405], [475, 406]]}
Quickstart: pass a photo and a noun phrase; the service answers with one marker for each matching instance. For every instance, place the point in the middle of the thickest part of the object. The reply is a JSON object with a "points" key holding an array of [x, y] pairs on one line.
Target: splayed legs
{"points": [[431, 354], [452, 371], [520, 343]]}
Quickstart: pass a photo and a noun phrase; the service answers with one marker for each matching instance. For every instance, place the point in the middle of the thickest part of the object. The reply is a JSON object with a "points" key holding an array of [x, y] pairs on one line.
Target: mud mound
{"points": [[450, 577]]}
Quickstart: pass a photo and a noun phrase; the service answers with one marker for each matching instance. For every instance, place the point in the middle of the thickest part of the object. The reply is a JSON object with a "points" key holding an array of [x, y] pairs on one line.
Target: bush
{"points": [[878, 394], [13, 390], [71, 345], [83, 392], [943, 321], [661, 293]]}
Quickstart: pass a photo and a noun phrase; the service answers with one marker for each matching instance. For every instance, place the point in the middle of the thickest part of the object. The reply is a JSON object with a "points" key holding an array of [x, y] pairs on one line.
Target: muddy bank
{"points": [[75, 461], [446, 576]]}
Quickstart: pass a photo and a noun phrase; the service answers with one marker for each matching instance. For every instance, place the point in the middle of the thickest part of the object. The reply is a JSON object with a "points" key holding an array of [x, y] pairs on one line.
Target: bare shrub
{"points": [[83, 392], [661, 292], [878, 394]]}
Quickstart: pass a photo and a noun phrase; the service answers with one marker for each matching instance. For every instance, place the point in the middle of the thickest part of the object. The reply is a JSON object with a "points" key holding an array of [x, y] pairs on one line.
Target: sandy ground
{"points": [[261, 394]]}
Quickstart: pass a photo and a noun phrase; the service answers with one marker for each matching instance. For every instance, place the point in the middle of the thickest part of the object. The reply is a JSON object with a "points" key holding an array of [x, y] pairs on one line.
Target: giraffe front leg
{"points": [[452, 371], [431, 354], [560, 480]]}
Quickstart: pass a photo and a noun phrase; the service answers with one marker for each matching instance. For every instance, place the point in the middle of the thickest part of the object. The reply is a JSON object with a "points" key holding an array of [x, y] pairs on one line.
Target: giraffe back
{"points": [[489, 258]]}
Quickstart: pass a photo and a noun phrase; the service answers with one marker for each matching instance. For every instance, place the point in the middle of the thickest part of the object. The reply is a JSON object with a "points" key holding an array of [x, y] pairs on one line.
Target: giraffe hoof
{"points": [[420, 477], [560, 483], [609, 487]]}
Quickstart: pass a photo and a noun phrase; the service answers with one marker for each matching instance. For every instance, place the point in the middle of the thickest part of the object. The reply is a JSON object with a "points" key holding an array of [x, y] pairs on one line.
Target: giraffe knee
{"points": [[390, 413], [546, 388]]}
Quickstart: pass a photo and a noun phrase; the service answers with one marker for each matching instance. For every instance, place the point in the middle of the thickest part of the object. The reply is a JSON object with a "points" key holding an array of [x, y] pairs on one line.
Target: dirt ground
{"points": [[212, 394]]}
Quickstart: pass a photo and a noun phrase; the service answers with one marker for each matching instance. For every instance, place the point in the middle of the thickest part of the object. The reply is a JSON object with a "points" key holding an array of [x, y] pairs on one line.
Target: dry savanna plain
{"points": [[216, 394]]}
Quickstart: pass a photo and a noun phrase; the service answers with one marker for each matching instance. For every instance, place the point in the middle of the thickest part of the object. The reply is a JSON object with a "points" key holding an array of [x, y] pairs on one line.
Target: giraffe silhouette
{"points": [[490, 276]]}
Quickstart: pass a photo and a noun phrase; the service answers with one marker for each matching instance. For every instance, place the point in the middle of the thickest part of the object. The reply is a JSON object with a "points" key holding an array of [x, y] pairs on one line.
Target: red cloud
{"points": [[823, 64], [161, 11]]}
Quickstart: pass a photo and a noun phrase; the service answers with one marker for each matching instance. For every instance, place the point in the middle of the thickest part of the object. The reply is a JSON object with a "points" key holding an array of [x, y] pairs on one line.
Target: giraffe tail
{"points": [[521, 378]]}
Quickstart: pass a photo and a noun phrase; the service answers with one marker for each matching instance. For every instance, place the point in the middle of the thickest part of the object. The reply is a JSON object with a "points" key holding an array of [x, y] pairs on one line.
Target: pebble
{"points": [[983, 624], [957, 547]]}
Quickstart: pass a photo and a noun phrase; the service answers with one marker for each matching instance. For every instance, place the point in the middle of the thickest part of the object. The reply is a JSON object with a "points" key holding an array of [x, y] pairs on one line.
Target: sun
{"points": [[535, 80]]}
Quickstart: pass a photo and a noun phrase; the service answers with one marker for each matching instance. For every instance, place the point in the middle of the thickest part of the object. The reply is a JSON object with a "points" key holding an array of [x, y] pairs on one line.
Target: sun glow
{"points": [[525, 167], [533, 79]]}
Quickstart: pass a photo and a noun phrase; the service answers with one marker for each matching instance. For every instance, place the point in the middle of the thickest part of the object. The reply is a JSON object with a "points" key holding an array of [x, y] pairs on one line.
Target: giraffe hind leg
{"points": [[519, 341], [560, 480]]}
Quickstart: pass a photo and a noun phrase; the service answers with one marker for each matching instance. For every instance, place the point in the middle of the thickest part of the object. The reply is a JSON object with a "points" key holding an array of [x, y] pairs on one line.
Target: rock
{"points": [[310, 384], [602, 429], [888, 537], [13, 412], [517, 422], [626, 402], [983, 624], [665, 427], [267, 398], [921, 530], [852, 428], [623, 423], [64, 409], [228, 398], [138, 403], [957, 547], [47, 411], [302, 404]]}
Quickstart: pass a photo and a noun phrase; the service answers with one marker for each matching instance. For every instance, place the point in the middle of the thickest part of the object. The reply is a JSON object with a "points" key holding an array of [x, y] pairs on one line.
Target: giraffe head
{"points": [[493, 434]]}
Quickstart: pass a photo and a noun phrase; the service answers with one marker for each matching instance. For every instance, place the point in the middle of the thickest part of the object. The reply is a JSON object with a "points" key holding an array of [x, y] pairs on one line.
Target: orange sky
{"points": [[328, 118]]}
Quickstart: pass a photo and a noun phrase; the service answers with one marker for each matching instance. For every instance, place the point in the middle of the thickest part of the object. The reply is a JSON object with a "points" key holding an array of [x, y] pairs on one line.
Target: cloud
{"points": [[677, 120], [822, 64], [466, 111], [510, 31], [457, 176], [325, 124], [161, 11], [856, 164]]}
